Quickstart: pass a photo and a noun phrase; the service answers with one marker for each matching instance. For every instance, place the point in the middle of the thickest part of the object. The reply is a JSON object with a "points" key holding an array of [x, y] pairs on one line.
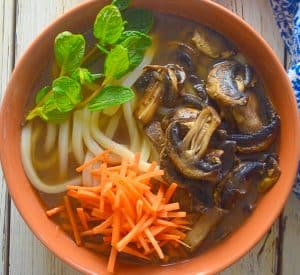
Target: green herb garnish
{"points": [[121, 4], [138, 20], [121, 38]]}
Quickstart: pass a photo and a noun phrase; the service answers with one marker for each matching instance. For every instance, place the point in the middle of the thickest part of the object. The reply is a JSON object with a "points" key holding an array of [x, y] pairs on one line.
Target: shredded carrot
{"points": [[124, 211], [72, 220], [82, 218], [112, 260], [170, 192], [155, 243], [55, 210], [135, 253], [101, 156]]}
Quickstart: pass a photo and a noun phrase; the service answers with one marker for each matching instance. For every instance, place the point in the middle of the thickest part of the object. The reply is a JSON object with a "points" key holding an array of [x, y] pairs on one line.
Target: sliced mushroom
{"points": [[156, 134], [260, 140], [202, 190], [226, 83], [186, 56], [187, 143], [211, 43], [235, 185], [161, 85], [202, 227], [248, 118], [150, 102], [182, 114], [272, 174]]}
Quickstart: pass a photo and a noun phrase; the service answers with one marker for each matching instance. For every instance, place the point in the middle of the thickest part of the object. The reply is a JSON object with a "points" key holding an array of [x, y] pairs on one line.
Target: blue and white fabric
{"points": [[287, 13]]}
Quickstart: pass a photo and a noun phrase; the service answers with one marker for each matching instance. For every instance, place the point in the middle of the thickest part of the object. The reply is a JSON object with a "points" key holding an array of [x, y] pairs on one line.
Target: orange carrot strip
{"points": [[124, 165], [183, 243], [168, 237], [82, 218], [87, 233], [154, 243], [170, 207], [99, 228], [155, 230], [152, 166], [72, 193], [180, 221], [131, 234], [72, 220], [158, 198], [95, 189], [179, 214], [139, 209], [117, 199], [136, 162], [92, 161], [149, 175], [114, 168], [55, 210], [141, 238], [112, 260], [126, 203], [170, 191], [89, 196], [135, 253], [165, 223], [107, 239], [178, 232], [116, 227]]}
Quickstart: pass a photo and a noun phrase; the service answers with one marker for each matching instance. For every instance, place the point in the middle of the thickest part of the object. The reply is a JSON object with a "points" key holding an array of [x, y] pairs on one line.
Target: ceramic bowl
{"points": [[259, 54]]}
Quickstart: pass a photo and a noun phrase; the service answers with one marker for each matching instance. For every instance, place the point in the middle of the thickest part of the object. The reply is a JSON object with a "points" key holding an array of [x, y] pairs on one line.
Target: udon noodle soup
{"points": [[199, 115]]}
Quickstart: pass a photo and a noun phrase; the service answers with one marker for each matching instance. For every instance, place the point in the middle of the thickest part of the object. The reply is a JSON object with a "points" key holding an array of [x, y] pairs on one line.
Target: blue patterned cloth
{"points": [[287, 13]]}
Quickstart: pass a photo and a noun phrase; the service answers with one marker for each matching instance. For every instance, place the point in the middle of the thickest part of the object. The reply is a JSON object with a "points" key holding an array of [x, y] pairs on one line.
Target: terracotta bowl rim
{"points": [[218, 8]]}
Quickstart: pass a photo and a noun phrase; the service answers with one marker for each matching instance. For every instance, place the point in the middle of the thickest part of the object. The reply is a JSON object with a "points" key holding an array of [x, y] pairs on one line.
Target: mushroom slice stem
{"points": [[187, 142], [196, 140], [150, 103], [203, 226]]}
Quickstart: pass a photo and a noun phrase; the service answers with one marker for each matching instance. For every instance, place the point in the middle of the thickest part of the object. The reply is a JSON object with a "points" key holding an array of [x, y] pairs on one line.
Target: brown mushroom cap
{"points": [[225, 85]]}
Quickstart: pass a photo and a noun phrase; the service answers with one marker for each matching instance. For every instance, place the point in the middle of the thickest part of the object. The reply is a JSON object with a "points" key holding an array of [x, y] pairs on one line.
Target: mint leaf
{"points": [[111, 96], [66, 93], [50, 112], [84, 76], [69, 50], [136, 43], [116, 63], [138, 20], [121, 4], [41, 93], [108, 25]]}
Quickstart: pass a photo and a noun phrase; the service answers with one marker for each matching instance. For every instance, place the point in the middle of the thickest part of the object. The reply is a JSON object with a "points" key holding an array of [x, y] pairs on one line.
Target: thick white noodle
{"points": [[90, 143], [128, 81], [63, 148], [30, 171], [50, 137], [87, 179], [135, 143], [145, 150], [116, 148], [77, 143], [113, 125]]}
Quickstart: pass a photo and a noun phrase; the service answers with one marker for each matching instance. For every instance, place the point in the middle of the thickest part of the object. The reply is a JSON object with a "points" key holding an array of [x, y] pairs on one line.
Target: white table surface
{"points": [[20, 251]]}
